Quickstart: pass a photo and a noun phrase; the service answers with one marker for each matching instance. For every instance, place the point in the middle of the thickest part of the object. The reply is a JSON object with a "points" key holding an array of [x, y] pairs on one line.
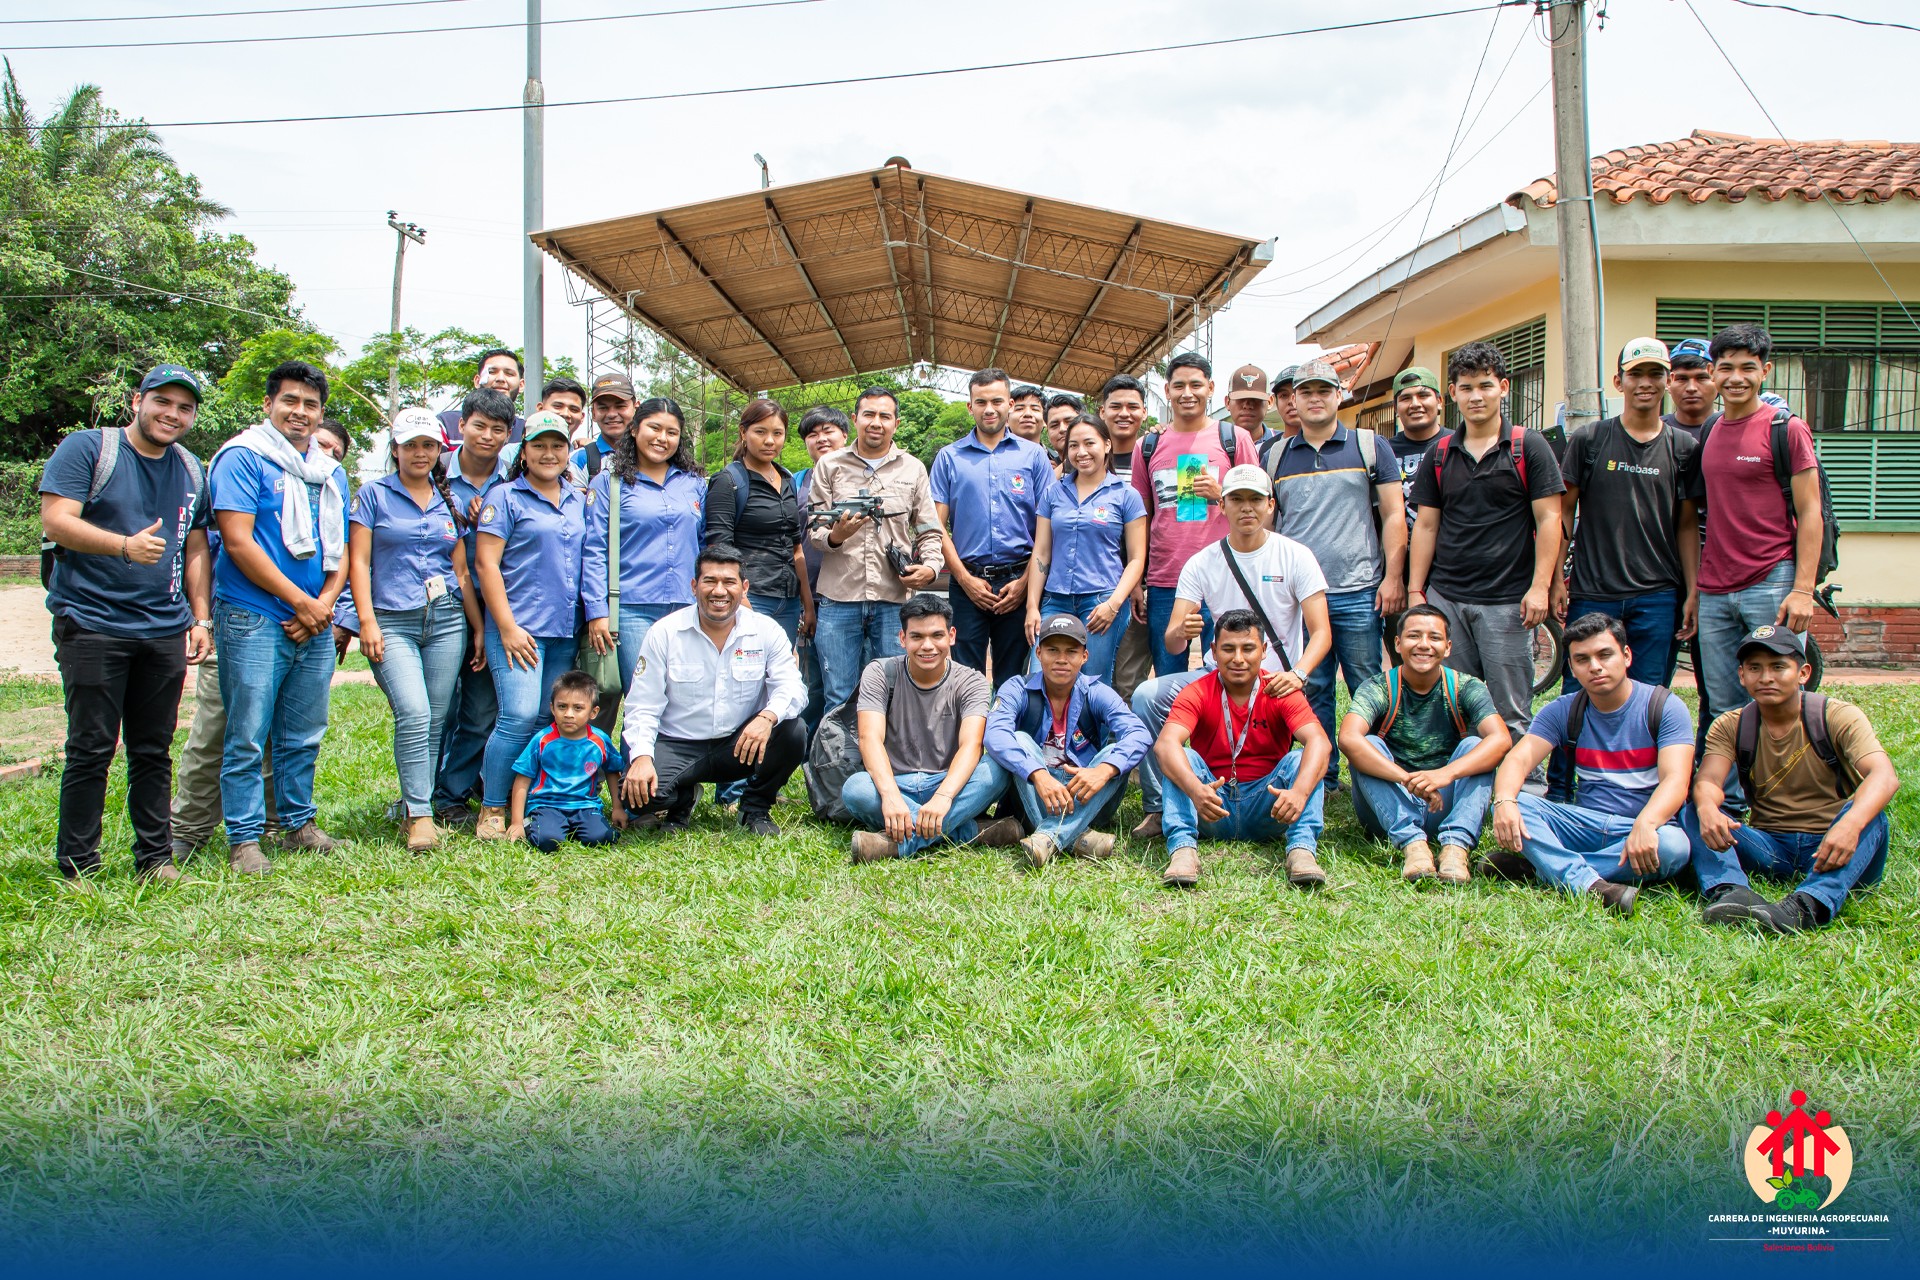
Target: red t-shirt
{"points": [[1276, 720], [1750, 528]]}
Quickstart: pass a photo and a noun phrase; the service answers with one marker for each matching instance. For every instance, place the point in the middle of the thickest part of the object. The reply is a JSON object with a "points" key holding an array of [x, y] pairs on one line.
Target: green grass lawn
{"points": [[706, 1037]]}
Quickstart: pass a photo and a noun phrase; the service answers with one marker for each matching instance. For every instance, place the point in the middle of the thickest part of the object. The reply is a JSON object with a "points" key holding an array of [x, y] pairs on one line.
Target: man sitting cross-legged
{"points": [[922, 719], [1818, 781], [1632, 747], [1224, 754], [1069, 742], [1423, 741]]}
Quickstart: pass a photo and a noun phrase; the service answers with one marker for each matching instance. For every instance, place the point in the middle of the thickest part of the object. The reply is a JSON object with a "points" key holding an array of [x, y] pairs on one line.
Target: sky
{"points": [[1322, 141]]}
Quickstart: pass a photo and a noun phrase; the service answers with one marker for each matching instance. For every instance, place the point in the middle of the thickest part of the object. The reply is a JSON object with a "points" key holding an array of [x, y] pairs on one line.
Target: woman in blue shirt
{"points": [[1089, 546], [662, 503], [531, 530], [408, 568]]}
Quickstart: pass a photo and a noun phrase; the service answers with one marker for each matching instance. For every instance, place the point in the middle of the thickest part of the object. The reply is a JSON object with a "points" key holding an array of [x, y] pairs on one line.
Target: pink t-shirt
{"points": [[1750, 528], [1171, 541]]}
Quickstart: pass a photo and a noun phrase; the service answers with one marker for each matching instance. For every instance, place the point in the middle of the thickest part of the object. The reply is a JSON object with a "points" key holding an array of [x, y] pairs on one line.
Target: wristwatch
{"points": [[202, 622]]}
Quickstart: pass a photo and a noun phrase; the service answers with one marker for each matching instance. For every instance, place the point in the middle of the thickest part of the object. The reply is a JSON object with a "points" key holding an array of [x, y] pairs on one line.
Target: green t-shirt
{"points": [[1423, 735]]}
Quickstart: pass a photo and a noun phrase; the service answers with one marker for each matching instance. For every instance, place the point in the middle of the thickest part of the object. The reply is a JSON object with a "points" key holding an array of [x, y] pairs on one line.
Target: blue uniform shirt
{"points": [[661, 526], [540, 563], [992, 496], [566, 772], [1097, 714], [1090, 537], [105, 593], [410, 544], [242, 480]]}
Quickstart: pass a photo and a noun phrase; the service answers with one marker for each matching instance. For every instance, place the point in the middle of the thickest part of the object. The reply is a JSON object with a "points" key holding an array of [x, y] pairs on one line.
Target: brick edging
{"points": [[1870, 636]]}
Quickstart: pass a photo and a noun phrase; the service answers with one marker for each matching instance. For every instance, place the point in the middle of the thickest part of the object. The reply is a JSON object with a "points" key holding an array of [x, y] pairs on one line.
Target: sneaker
{"points": [[1000, 833], [871, 846], [1183, 867], [759, 824], [159, 873], [1618, 897], [674, 824], [1303, 869], [310, 837], [1041, 848], [1419, 863], [1732, 903], [1094, 844], [1502, 865], [1149, 828], [1453, 865], [454, 816], [491, 825], [247, 859], [1795, 913]]}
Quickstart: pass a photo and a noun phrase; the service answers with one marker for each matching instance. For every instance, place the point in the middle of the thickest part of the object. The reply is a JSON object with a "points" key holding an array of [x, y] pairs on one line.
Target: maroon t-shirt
{"points": [[1750, 528]]}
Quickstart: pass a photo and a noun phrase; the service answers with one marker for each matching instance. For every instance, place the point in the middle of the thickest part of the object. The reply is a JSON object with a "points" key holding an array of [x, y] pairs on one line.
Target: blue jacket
{"points": [[1097, 714]]}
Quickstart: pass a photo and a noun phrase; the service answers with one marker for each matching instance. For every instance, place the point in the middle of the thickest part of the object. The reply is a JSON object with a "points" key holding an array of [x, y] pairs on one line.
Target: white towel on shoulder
{"points": [[296, 508]]}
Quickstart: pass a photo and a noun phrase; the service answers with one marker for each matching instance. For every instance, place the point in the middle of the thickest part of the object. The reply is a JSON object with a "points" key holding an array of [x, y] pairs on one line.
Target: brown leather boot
{"points": [[1094, 844], [1149, 828], [247, 859], [1041, 849], [1303, 869], [311, 838], [1419, 862], [871, 846], [1183, 868], [422, 835], [1453, 864], [1618, 897]]}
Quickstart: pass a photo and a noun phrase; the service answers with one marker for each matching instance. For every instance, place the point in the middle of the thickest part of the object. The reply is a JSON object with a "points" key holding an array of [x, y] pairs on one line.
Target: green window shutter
{"points": [[1525, 348], [1873, 477], [1852, 326]]}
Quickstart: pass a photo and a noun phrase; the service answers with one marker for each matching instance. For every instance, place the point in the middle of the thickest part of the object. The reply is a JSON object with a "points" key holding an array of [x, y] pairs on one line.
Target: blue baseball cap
{"points": [[1690, 351], [171, 374]]}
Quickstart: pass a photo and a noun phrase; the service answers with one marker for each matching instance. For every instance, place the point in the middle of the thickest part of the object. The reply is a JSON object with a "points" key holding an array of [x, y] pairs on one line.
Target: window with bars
{"points": [[1376, 417], [1525, 347]]}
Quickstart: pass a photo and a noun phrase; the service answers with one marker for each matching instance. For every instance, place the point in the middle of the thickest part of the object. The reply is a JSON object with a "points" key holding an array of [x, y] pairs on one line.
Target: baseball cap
{"points": [[1645, 351], [162, 375], [1284, 378], [1317, 371], [1774, 640], [1249, 382], [545, 422], [1415, 376], [1065, 625], [612, 384], [1248, 477], [1691, 351], [416, 424]]}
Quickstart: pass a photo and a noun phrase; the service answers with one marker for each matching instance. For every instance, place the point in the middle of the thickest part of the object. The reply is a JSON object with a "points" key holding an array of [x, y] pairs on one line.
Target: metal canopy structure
{"points": [[893, 267]]}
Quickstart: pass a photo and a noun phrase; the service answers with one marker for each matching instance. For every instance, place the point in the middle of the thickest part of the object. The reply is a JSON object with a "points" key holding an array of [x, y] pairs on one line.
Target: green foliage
{"points": [[19, 508]]}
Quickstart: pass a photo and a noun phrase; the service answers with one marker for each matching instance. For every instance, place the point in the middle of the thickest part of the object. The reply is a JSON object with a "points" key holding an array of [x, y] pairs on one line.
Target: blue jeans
{"points": [[464, 745], [1159, 614], [1650, 621], [524, 696], [848, 637], [424, 649], [1356, 647], [1783, 855], [1065, 828], [274, 690], [1151, 702], [635, 621], [982, 789], [1724, 620], [1388, 811], [1102, 646], [1572, 847], [1249, 810], [546, 828]]}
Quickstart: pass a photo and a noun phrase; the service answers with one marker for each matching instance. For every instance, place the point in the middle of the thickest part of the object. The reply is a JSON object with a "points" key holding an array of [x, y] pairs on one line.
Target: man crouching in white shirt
{"points": [[716, 697]]}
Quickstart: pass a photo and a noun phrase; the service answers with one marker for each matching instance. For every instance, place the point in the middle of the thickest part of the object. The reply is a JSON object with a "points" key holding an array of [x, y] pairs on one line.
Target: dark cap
{"points": [[1690, 353], [612, 384], [162, 375], [1415, 376], [1062, 624], [1285, 377], [1249, 382], [1774, 640]]}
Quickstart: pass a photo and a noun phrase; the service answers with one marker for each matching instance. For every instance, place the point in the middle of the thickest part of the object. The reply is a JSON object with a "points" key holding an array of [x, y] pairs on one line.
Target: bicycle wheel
{"points": [[1549, 655], [1816, 660]]}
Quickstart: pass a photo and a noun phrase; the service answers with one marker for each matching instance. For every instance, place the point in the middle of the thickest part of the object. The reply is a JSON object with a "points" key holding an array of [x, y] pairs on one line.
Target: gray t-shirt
{"points": [[923, 725], [1323, 499]]}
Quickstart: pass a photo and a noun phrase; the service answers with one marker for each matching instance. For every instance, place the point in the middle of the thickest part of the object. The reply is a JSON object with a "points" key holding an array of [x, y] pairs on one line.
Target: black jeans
{"points": [[682, 764], [113, 686], [979, 632]]}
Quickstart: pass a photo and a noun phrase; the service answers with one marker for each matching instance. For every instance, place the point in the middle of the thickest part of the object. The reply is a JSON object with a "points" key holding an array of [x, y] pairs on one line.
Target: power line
{"points": [[410, 31], [880, 78], [227, 13], [189, 297], [1826, 197], [1822, 13]]}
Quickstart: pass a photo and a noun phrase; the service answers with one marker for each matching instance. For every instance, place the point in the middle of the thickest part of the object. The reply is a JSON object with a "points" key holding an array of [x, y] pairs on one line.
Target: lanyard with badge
{"points": [[1235, 745]]}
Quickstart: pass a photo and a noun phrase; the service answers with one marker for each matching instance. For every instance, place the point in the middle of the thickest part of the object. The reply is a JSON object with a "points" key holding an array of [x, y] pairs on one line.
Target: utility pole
{"points": [[418, 234], [1580, 337], [765, 180], [533, 157]]}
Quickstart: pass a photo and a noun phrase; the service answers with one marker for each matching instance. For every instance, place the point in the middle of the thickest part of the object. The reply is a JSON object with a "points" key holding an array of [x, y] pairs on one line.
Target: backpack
{"points": [[1449, 689], [1813, 718], [103, 467], [1369, 442], [834, 756], [1783, 475], [1151, 441], [1516, 445], [1656, 710], [594, 459], [737, 472]]}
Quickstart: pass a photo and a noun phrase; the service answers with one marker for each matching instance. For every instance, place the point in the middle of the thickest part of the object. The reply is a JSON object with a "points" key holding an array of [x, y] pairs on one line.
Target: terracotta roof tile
{"points": [[1731, 166]]}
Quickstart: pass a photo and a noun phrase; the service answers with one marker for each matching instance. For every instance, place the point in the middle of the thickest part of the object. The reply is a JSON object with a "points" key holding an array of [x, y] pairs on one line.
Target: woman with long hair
{"points": [[662, 493], [531, 529], [1089, 546], [763, 522]]}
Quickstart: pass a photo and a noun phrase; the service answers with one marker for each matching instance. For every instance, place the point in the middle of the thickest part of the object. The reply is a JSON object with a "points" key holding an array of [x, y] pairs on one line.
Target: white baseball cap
{"points": [[1246, 477], [416, 424]]}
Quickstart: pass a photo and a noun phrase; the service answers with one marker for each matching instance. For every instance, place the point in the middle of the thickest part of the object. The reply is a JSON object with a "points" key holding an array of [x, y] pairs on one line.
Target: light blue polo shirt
{"points": [[242, 480], [410, 543], [992, 496], [660, 535], [1090, 537], [540, 563]]}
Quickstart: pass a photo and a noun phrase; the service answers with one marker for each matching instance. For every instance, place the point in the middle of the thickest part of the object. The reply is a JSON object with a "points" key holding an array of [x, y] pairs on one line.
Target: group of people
{"points": [[514, 581]]}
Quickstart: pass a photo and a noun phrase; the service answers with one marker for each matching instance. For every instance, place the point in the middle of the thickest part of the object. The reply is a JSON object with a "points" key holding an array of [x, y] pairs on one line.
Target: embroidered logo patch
{"points": [[486, 514], [1019, 483]]}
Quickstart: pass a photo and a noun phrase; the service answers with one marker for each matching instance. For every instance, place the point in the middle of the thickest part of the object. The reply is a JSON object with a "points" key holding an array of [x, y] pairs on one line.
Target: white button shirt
{"points": [[684, 687]]}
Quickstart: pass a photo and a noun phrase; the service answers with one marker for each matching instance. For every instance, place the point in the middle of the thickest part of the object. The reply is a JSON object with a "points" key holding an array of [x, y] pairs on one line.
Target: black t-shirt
{"points": [[1630, 495], [1408, 453], [1483, 553], [767, 533]]}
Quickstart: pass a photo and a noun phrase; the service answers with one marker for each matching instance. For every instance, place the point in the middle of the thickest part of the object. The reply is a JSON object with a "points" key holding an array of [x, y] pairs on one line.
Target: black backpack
{"points": [[1813, 718], [1783, 474], [1151, 441], [834, 755], [1656, 708], [104, 464]]}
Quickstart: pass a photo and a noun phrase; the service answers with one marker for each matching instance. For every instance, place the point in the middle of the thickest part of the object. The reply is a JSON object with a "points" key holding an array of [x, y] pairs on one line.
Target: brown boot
{"points": [[1041, 848], [1000, 833], [247, 859], [1149, 828], [422, 835], [1303, 870], [1183, 867], [311, 838], [1419, 862], [1453, 864], [1504, 865], [1094, 844], [159, 873], [1618, 897], [492, 824], [871, 846]]}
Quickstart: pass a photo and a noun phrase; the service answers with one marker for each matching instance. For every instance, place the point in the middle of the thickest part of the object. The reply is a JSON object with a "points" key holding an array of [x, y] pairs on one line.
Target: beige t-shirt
{"points": [[1793, 790]]}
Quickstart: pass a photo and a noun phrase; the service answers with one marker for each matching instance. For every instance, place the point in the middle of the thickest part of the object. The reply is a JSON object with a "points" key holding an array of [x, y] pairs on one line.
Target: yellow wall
{"points": [[1879, 568]]}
